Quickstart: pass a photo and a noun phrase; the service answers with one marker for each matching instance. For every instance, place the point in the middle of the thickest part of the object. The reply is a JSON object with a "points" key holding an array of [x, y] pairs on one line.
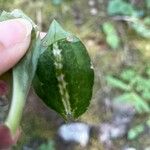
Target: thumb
{"points": [[15, 36]]}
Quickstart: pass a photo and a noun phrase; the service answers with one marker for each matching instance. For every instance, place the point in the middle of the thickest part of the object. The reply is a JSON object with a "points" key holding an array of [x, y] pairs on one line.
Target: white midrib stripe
{"points": [[62, 84]]}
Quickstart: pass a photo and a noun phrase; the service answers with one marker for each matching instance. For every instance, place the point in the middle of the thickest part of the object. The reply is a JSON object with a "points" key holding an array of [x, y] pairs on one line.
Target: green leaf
{"points": [[16, 13], [124, 98], [47, 146], [147, 21], [138, 93], [108, 28], [116, 83], [120, 7], [142, 84], [128, 74], [55, 33], [141, 29], [148, 122], [112, 41], [148, 71], [148, 3], [112, 37], [57, 2], [146, 94], [140, 105], [135, 132], [64, 77]]}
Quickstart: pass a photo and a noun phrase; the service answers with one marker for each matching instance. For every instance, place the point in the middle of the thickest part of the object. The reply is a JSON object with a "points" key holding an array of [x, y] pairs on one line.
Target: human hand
{"points": [[15, 36]]}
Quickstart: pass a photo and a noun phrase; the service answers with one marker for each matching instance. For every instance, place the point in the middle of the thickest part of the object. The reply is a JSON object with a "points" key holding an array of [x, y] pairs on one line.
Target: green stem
{"points": [[16, 109]]}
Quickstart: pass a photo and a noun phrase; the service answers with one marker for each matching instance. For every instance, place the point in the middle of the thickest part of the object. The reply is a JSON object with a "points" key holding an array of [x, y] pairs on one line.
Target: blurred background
{"points": [[117, 36]]}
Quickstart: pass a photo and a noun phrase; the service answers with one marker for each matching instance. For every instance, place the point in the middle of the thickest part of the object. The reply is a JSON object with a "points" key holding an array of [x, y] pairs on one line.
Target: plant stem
{"points": [[16, 109]]}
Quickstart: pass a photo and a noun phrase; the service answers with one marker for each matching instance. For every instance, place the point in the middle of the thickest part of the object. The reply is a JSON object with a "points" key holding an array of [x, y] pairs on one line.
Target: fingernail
{"points": [[13, 32]]}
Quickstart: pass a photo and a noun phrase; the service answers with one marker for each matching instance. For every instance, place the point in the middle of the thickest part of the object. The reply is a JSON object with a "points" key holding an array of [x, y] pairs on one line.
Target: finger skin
{"points": [[7, 140], [14, 41]]}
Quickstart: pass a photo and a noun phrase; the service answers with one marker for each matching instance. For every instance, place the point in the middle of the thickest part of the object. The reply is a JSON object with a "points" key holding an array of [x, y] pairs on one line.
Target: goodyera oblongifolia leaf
{"points": [[23, 73], [64, 76]]}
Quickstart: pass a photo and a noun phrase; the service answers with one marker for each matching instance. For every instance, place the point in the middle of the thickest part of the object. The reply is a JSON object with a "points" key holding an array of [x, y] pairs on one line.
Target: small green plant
{"points": [[135, 88], [61, 69], [112, 37], [127, 12], [120, 7], [142, 27], [138, 130]]}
